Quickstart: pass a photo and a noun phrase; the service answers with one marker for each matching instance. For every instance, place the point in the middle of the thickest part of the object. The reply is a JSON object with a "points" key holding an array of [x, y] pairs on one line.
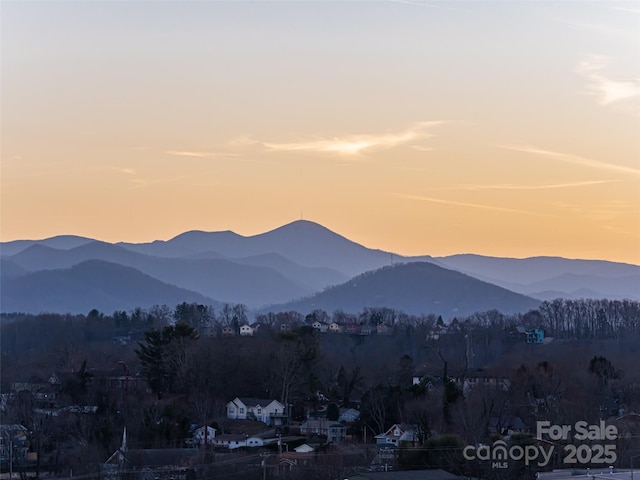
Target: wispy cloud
{"points": [[128, 171], [188, 153], [574, 159], [509, 186], [471, 205], [355, 144], [606, 89]]}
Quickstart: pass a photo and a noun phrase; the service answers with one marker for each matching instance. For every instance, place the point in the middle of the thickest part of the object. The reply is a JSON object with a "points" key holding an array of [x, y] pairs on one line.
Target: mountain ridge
{"points": [[302, 258], [417, 288]]}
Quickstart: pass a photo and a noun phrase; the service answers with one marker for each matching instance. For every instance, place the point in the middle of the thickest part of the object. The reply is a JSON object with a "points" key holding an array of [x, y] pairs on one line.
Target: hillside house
{"points": [[507, 425], [396, 434], [366, 330], [352, 329], [348, 415], [485, 379], [320, 326], [266, 411], [14, 442], [199, 434], [333, 431], [228, 331], [246, 331], [142, 464], [535, 335]]}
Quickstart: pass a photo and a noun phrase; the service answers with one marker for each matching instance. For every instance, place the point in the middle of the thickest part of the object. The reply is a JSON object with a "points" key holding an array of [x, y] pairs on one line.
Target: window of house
{"points": [[241, 410]]}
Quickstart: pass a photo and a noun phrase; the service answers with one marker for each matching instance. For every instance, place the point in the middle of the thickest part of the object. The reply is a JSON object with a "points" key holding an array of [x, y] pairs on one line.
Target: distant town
{"points": [[189, 392]]}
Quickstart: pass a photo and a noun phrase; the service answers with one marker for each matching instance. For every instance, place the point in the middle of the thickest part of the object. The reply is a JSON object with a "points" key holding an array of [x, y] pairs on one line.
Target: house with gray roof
{"points": [[270, 412]]}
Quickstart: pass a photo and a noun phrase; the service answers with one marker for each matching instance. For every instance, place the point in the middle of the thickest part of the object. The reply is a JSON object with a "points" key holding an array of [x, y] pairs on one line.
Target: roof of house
{"points": [[313, 423], [231, 437], [507, 422], [255, 402], [404, 428]]}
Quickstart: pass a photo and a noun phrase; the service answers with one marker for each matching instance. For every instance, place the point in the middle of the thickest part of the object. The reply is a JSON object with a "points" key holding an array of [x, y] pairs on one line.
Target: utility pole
{"points": [[10, 456], [264, 465]]}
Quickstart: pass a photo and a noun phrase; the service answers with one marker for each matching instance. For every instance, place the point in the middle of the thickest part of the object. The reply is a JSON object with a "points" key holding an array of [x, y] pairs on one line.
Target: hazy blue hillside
{"points": [[587, 286], [535, 269], [41, 257], [303, 242], [303, 258], [91, 284], [315, 278], [9, 269], [416, 288], [63, 242], [552, 275], [221, 279]]}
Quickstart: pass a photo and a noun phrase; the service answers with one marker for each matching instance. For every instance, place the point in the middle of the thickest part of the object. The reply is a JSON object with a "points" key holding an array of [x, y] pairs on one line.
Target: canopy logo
{"points": [[499, 453]]}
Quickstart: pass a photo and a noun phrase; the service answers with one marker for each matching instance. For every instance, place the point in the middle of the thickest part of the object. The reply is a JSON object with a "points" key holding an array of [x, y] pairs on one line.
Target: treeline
{"points": [[192, 371]]}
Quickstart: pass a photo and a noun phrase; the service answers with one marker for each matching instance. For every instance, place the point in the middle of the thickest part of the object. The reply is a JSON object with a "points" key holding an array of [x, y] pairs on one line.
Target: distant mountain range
{"points": [[300, 265]]}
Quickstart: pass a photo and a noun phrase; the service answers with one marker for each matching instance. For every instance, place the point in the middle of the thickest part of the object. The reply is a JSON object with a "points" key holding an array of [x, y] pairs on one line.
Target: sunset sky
{"points": [[418, 127]]}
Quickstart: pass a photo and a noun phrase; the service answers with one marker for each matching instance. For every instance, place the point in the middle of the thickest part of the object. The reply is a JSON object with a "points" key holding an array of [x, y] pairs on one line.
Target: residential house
{"points": [[199, 434], [485, 379], [320, 326], [366, 330], [285, 327], [396, 434], [348, 415], [141, 464], [14, 443], [231, 441], [254, 441], [531, 335], [266, 411], [428, 381], [246, 331], [334, 432], [352, 329], [507, 425], [228, 331], [535, 335], [335, 328]]}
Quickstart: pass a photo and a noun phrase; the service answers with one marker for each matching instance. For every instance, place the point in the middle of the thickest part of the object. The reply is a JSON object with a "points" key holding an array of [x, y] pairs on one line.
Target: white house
{"points": [[320, 326], [198, 436], [255, 442], [231, 441], [246, 331], [334, 327], [271, 412]]}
